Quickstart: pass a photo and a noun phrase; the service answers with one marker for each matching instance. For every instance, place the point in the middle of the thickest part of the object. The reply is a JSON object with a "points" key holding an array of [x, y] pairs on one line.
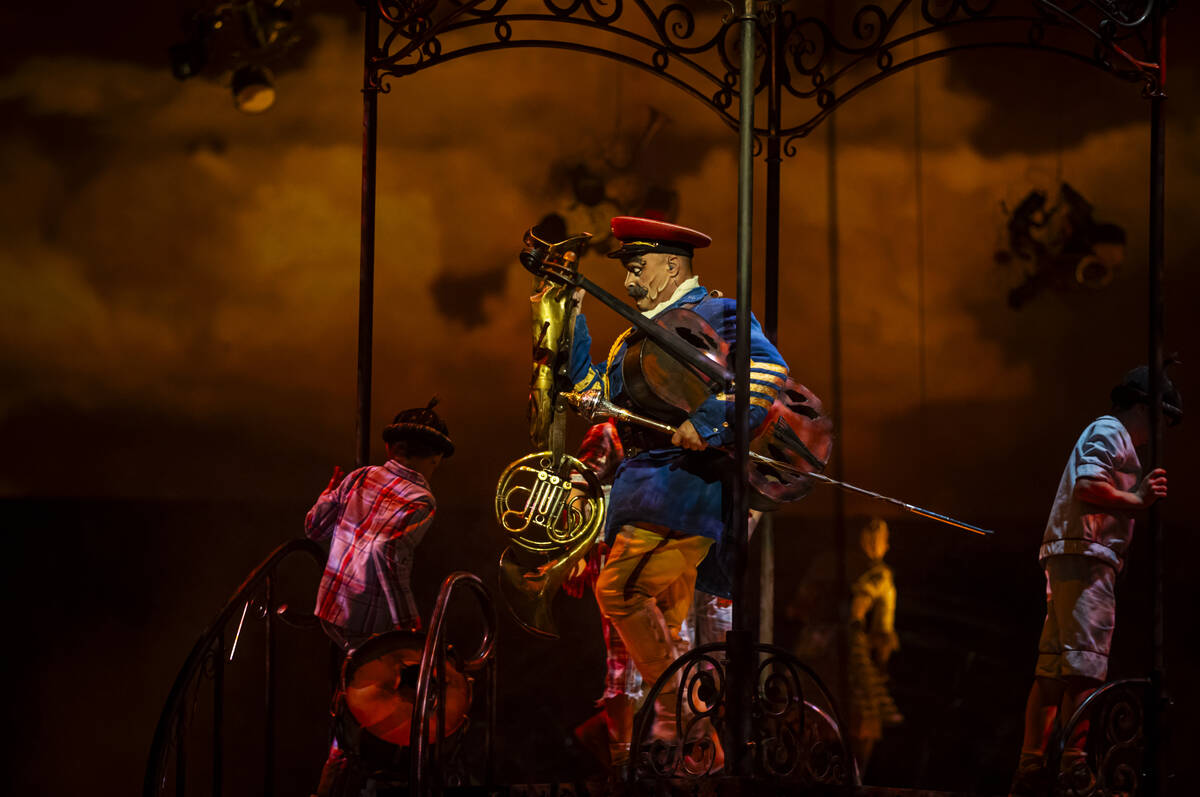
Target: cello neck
{"points": [[718, 378]]}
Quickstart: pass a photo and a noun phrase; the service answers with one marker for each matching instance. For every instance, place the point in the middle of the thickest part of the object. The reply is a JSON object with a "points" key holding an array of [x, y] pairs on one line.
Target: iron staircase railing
{"points": [[208, 659]]}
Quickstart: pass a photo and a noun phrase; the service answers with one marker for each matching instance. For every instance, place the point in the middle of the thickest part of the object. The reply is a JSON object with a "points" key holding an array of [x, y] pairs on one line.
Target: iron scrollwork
{"points": [[794, 734], [830, 65], [694, 49], [1116, 741], [817, 61]]}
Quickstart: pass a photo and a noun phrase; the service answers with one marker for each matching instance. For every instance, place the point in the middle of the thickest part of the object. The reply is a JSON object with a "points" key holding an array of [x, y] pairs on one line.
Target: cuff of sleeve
{"points": [[710, 423], [1089, 471], [713, 421]]}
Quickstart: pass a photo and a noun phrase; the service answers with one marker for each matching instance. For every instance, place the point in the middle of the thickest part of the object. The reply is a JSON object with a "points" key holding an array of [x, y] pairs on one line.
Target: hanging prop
{"points": [[614, 179], [1061, 247]]}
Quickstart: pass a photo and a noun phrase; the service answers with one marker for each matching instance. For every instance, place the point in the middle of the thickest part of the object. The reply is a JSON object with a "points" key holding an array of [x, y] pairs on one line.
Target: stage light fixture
{"points": [[253, 89], [242, 35]]}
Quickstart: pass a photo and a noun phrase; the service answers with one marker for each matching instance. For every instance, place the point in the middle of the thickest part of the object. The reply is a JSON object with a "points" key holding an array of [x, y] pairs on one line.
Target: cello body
{"points": [[795, 432], [656, 382]]}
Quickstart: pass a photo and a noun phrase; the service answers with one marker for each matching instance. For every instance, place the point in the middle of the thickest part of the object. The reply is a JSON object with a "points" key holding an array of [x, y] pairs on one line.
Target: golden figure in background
{"points": [[870, 632]]}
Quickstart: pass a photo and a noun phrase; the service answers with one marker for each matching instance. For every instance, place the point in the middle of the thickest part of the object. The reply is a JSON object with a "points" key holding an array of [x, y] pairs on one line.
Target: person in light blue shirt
{"points": [[1083, 548]]}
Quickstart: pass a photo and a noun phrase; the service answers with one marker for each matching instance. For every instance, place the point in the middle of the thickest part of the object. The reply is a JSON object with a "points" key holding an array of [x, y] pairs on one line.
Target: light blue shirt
{"points": [[1105, 452]]}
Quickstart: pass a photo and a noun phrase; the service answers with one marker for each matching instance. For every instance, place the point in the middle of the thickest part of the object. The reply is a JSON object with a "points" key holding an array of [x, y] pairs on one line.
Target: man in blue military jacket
{"points": [[668, 503]]}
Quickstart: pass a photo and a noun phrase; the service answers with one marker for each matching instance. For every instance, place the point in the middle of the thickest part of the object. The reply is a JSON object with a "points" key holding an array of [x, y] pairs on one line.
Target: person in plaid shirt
{"points": [[374, 519]]}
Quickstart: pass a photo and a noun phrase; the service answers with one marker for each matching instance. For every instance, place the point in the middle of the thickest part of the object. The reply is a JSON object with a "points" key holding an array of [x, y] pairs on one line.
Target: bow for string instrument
{"points": [[594, 409]]}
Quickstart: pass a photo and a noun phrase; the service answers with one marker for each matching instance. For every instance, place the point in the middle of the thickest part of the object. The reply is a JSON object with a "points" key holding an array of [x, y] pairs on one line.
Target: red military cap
{"points": [[639, 236]]}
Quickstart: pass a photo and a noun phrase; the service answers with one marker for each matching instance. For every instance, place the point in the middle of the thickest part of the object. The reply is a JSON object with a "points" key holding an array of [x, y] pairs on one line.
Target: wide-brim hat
{"points": [[421, 425], [1135, 388], [640, 236]]}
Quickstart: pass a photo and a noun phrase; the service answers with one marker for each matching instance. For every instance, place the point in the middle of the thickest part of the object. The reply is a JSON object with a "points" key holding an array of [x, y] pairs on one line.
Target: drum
{"points": [[375, 708]]}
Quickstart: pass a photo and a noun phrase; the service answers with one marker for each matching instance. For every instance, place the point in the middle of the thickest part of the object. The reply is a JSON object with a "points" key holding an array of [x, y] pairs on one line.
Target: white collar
{"points": [[683, 289]]}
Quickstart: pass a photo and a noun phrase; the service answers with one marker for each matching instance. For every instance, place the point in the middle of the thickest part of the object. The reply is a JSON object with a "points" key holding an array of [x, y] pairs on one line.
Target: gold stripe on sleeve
{"points": [[766, 366], [761, 377]]}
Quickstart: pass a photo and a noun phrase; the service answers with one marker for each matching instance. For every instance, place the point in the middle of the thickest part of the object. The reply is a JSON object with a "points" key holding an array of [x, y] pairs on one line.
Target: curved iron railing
{"points": [[207, 659], [1116, 740], [426, 770], [791, 738]]}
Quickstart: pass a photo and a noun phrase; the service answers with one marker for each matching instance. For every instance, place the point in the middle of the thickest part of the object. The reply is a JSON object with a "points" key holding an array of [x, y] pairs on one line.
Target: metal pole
{"points": [[366, 263], [218, 765], [766, 595], [842, 686], [1156, 731], [489, 744], [181, 753], [741, 638], [439, 674], [919, 196], [766, 526], [775, 68], [269, 662]]}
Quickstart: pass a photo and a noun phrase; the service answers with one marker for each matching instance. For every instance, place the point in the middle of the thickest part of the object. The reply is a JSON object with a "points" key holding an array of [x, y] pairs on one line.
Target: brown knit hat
{"points": [[421, 425]]}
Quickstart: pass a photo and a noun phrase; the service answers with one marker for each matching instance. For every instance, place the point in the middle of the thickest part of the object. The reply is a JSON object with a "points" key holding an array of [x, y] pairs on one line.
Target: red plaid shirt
{"points": [[376, 517]]}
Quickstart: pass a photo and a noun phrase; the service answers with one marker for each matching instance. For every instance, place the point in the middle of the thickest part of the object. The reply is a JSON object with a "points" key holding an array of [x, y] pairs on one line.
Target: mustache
{"points": [[637, 291]]}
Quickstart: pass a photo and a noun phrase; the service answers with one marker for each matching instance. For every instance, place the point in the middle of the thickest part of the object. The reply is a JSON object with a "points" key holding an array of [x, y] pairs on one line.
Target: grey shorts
{"points": [[1080, 615]]}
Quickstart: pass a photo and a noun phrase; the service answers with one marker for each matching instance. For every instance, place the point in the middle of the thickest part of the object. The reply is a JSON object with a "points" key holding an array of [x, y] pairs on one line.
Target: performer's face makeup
{"points": [[651, 278]]}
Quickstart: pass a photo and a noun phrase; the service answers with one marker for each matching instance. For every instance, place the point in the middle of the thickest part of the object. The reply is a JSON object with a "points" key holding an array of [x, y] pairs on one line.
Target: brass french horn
{"points": [[551, 522]]}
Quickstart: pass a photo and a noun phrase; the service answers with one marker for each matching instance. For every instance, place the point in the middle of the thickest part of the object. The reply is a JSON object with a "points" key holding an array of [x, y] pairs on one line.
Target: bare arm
{"points": [[1104, 494]]}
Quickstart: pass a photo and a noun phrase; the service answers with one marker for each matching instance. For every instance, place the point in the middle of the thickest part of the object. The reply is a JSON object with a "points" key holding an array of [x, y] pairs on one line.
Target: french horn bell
{"points": [[551, 524]]}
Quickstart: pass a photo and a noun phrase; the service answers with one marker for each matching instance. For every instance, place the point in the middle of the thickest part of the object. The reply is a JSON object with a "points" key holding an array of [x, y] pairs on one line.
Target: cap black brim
{"points": [[627, 251]]}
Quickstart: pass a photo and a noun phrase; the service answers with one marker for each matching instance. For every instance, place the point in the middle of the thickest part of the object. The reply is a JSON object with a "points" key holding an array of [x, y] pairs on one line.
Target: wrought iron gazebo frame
{"points": [[791, 58]]}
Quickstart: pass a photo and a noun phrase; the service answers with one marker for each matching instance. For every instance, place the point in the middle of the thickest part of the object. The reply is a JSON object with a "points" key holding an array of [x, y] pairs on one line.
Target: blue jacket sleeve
{"points": [[713, 420], [584, 375]]}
